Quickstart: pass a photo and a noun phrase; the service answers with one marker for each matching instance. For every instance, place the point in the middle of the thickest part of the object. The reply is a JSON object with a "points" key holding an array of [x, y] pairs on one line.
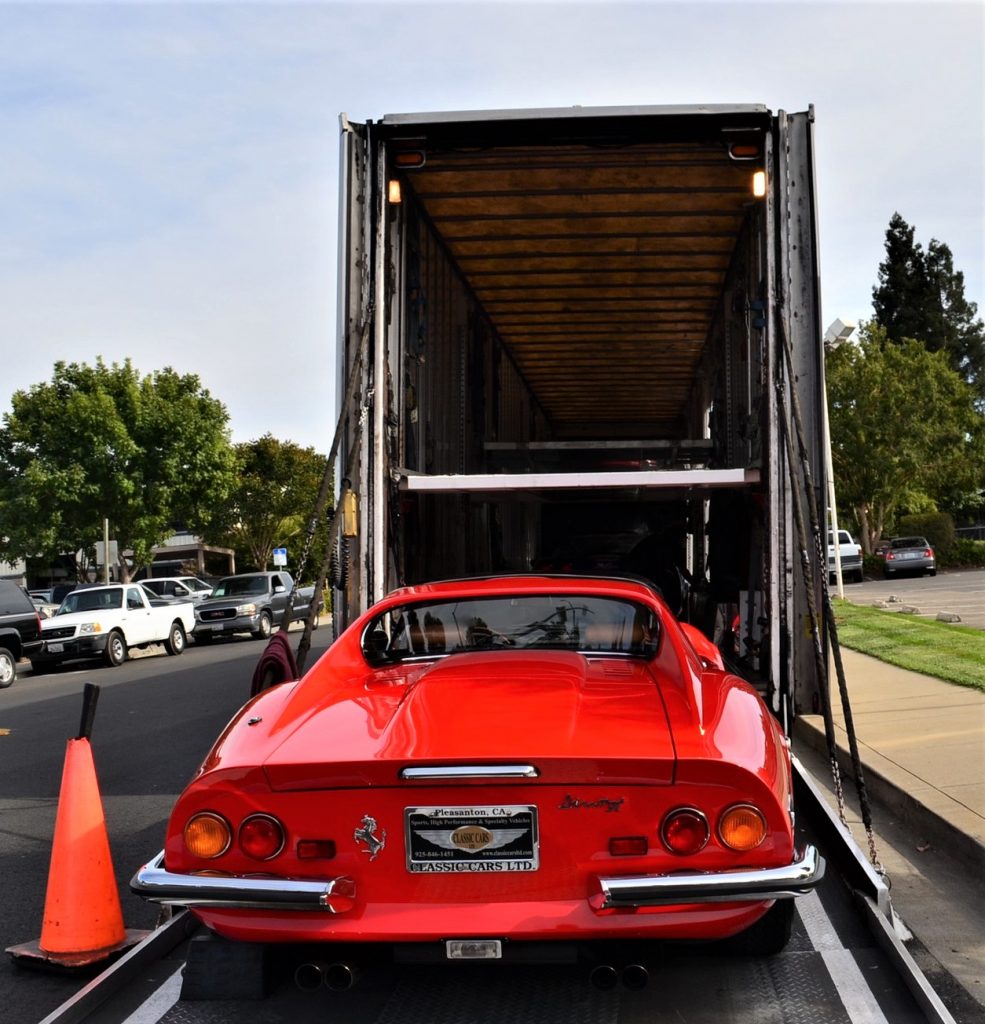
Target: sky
{"points": [[169, 171]]}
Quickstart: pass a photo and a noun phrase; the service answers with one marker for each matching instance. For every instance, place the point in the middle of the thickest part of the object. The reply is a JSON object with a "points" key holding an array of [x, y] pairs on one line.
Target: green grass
{"points": [[950, 652]]}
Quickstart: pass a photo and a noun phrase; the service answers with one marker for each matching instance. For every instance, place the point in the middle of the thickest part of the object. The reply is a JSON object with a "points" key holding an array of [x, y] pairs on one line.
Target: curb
{"points": [[893, 797]]}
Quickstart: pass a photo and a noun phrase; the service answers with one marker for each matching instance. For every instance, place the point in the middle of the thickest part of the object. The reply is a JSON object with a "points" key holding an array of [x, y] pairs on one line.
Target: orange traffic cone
{"points": [[83, 923]]}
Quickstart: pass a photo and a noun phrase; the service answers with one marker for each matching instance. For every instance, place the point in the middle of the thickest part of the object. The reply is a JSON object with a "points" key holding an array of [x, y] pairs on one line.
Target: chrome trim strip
{"points": [[153, 882], [748, 885], [475, 771]]}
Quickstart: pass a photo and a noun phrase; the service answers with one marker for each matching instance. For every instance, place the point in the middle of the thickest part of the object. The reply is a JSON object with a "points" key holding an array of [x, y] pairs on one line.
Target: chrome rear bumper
{"points": [[153, 882], [749, 885]]}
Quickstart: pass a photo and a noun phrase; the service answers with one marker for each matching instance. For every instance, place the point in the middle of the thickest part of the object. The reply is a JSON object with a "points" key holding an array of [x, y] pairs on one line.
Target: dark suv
{"points": [[20, 629]]}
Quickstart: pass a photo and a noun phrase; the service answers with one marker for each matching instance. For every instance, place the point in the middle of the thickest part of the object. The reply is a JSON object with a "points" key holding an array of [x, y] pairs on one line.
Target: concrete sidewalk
{"points": [[922, 746]]}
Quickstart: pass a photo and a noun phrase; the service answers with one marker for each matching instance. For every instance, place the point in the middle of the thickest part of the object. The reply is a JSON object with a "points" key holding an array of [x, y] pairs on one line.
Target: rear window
{"points": [[568, 622], [908, 542], [14, 601]]}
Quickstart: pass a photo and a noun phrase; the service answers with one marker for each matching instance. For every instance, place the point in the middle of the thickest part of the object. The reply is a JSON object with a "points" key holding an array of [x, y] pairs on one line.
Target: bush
{"points": [[937, 527], [966, 553], [873, 566]]}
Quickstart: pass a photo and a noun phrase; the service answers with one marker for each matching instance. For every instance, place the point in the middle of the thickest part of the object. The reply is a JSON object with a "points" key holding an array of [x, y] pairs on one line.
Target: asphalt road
{"points": [[959, 592], [155, 719]]}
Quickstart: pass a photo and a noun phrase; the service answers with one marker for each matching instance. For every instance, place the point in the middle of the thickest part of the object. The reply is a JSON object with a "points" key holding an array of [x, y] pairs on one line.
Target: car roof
{"points": [[533, 583]]}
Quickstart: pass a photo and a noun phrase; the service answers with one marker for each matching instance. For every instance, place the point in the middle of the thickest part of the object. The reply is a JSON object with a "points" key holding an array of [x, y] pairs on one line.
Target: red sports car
{"points": [[493, 761]]}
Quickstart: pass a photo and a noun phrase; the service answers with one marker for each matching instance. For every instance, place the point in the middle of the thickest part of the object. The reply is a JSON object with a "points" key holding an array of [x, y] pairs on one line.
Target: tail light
{"points": [[889, 556], [929, 553], [685, 831], [742, 827], [261, 837], [207, 835]]}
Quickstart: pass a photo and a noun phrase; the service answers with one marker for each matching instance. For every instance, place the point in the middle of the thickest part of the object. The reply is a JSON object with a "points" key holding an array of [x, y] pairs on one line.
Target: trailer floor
{"points": [[830, 973]]}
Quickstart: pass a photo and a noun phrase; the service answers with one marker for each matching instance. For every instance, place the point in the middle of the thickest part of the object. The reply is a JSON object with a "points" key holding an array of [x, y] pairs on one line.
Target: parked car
{"points": [[185, 588], [20, 629], [44, 605], [909, 555], [253, 602], [478, 764], [105, 621], [850, 554]]}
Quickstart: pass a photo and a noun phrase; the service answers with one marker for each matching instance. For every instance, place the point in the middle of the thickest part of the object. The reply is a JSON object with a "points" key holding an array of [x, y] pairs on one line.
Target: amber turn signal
{"points": [[742, 827], [207, 835]]}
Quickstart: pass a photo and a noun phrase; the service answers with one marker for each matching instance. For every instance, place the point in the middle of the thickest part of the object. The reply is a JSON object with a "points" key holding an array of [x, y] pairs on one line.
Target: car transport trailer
{"points": [[844, 965], [582, 340]]}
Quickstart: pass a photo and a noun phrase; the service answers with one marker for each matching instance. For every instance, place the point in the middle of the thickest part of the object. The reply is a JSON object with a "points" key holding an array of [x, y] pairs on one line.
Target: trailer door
{"points": [[798, 330], [354, 363]]}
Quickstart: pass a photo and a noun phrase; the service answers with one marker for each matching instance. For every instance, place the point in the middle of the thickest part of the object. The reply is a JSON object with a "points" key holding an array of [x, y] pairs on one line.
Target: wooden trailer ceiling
{"points": [[599, 267]]}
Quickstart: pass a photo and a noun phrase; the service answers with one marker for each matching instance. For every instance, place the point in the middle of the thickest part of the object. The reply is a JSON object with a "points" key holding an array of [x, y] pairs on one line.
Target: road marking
{"points": [[853, 990], [152, 1009]]}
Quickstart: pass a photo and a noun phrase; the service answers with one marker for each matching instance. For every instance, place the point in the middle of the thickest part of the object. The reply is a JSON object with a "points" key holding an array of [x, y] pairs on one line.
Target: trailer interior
{"points": [[578, 355]]}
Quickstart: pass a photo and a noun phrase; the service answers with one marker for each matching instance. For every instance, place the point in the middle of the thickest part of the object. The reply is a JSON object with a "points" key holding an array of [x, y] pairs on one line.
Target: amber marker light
{"points": [[261, 837], [685, 831], [759, 184], [207, 835], [409, 158], [742, 827], [393, 194]]}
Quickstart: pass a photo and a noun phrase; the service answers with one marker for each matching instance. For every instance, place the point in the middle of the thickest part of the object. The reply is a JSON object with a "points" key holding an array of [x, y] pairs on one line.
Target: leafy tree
{"points": [[101, 442], [271, 505], [920, 295], [904, 429]]}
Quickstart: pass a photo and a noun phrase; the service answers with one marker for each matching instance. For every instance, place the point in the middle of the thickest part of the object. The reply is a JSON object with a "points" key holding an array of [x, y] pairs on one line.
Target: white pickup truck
{"points": [[106, 621], [850, 554]]}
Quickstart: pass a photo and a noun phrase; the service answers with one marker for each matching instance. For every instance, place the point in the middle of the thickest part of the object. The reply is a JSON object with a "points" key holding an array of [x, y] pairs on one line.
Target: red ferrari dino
{"points": [[493, 761]]}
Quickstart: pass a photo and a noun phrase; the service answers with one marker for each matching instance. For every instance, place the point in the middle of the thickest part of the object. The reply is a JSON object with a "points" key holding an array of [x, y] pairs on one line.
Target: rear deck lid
{"points": [[572, 718]]}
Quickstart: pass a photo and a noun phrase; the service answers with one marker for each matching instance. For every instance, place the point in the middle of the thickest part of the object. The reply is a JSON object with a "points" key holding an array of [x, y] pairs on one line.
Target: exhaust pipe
{"points": [[635, 977], [604, 977], [309, 977], [340, 977]]}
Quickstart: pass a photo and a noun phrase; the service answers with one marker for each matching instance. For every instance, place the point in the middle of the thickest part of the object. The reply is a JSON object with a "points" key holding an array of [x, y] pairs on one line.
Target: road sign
{"points": [[280, 556]]}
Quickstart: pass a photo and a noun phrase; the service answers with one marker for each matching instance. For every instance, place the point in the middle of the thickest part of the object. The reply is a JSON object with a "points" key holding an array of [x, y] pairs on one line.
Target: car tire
{"points": [[8, 668], [175, 642], [39, 668], [265, 627], [116, 649], [203, 638], [931, 572], [769, 935]]}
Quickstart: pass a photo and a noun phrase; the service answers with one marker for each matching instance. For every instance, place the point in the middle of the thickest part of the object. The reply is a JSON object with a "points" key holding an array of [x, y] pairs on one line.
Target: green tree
{"points": [[904, 429], [102, 442], [271, 504], [920, 295]]}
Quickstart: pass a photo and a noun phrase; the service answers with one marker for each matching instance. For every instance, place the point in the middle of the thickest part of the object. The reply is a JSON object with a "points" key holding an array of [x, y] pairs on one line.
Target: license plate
{"points": [[56, 648], [474, 949], [909, 554], [463, 840], [217, 629]]}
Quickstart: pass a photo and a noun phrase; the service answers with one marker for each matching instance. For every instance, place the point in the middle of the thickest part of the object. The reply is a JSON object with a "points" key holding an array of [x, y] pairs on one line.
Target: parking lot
{"points": [[958, 592]]}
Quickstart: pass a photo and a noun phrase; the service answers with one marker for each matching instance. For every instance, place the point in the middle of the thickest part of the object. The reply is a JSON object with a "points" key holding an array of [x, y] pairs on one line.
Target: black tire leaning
{"points": [[176, 639], [116, 649], [8, 668]]}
